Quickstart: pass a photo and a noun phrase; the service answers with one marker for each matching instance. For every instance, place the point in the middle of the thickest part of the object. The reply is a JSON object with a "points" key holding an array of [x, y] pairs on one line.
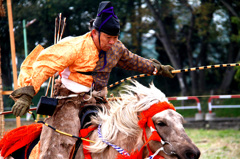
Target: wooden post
{"points": [[13, 51], [1, 102]]}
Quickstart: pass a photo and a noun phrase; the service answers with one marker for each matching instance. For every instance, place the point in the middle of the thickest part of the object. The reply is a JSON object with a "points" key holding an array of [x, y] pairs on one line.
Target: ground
{"points": [[216, 144], [213, 144], [9, 125]]}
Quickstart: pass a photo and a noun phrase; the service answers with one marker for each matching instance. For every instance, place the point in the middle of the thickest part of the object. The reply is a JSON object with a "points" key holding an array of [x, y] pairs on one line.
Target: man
{"points": [[85, 63]]}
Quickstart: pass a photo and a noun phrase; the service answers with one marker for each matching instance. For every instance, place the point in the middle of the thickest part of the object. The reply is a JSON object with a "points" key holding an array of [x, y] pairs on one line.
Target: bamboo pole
{"points": [[6, 92], [25, 38], [10, 112], [13, 51]]}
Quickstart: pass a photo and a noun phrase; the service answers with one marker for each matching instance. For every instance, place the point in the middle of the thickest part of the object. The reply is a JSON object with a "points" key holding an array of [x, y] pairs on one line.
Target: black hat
{"points": [[106, 20]]}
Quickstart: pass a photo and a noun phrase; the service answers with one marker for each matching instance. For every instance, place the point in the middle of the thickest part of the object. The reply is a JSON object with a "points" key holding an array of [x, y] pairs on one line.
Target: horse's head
{"points": [[175, 142], [143, 123], [163, 126]]}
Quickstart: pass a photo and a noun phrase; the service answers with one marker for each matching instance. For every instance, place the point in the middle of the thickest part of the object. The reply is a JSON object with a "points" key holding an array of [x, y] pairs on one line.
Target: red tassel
{"points": [[19, 137]]}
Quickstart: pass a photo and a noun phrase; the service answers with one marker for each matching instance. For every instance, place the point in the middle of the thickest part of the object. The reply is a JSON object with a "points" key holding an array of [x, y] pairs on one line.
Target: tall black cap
{"points": [[106, 20]]}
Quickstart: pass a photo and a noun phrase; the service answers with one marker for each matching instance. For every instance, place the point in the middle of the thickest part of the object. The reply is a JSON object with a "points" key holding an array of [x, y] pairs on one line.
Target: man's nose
{"points": [[111, 41]]}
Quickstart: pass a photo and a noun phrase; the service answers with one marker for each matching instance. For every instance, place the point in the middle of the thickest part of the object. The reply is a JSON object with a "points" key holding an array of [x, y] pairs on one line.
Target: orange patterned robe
{"points": [[79, 54]]}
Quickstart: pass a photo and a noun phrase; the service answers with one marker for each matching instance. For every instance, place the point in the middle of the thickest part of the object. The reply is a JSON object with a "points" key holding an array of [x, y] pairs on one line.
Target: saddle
{"points": [[85, 118], [86, 112]]}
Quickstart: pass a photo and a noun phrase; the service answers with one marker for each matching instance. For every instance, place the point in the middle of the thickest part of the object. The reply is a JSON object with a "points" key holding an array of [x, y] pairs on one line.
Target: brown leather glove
{"points": [[164, 70], [101, 93], [100, 96], [24, 96]]}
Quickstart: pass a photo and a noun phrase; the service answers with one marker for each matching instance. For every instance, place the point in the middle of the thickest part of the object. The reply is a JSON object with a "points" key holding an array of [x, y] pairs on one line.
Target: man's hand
{"points": [[102, 93], [100, 96], [22, 105], [164, 70], [24, 97]]}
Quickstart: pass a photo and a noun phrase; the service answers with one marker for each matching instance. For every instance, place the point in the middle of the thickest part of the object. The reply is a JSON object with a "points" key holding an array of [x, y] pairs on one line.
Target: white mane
{"points": [[123, 114]]}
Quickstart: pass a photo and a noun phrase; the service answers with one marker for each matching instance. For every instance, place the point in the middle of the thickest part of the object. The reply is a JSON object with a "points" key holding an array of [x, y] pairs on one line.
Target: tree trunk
{"points": [[168, 46], [228, 76], [229, 73], [1, 102], [139, 19], [2, 10], [2, 14], [229, 8], [189, 49], [136, 28], [202, 60]]}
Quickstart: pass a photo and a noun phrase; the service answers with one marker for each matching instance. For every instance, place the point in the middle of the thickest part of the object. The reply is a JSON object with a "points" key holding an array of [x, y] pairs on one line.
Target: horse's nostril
{"points": [[192, 155]]}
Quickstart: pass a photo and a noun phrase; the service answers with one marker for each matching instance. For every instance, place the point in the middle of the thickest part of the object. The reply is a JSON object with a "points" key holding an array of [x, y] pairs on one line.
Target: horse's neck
{"points": [[128, 143], [133, 144]]}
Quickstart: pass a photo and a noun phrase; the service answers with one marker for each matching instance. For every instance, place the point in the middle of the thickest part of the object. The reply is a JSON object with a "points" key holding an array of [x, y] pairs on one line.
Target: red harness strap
{"points": [[86, 153], [146, 120], [84, 133]]}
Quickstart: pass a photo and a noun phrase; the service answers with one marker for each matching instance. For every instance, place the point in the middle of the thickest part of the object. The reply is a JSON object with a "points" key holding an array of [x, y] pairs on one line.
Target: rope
{"points": [[117, 148], [176, 71], [59, 131], [128, 78]]}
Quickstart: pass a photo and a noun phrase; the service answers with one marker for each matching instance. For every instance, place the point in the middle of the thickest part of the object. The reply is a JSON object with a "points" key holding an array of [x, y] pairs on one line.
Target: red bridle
{"points": [[146, 120]]}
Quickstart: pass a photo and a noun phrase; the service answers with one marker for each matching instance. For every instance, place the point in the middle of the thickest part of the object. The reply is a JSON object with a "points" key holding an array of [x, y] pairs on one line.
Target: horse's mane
{"points": [[123, 114]]}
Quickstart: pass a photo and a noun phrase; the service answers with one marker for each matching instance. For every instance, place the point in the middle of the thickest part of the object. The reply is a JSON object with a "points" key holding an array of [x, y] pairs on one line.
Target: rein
{"points": [[59, 131]]}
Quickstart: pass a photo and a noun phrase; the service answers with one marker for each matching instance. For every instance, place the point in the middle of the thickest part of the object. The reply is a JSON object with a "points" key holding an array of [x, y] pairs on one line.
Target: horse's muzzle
{"points": [[191, 154]]}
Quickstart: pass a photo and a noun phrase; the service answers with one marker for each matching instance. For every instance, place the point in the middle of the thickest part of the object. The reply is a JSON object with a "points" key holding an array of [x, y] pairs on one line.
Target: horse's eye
{"points": [[161, 124]]}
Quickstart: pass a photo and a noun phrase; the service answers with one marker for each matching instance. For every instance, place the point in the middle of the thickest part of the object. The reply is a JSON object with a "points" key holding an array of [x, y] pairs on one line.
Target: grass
{"points": [[213, 144], [216, 144]]}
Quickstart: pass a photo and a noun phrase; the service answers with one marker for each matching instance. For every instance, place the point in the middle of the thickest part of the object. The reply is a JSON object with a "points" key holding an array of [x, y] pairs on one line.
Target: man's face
{"points": [[106, 41]]}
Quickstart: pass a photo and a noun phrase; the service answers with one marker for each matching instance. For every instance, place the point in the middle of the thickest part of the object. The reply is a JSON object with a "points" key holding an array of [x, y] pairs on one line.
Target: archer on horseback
{"points": [[85, 63]]}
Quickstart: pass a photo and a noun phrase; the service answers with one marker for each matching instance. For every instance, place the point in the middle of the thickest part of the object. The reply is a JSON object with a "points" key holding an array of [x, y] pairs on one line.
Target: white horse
{"points": [[139, 124], [142, 124]]}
